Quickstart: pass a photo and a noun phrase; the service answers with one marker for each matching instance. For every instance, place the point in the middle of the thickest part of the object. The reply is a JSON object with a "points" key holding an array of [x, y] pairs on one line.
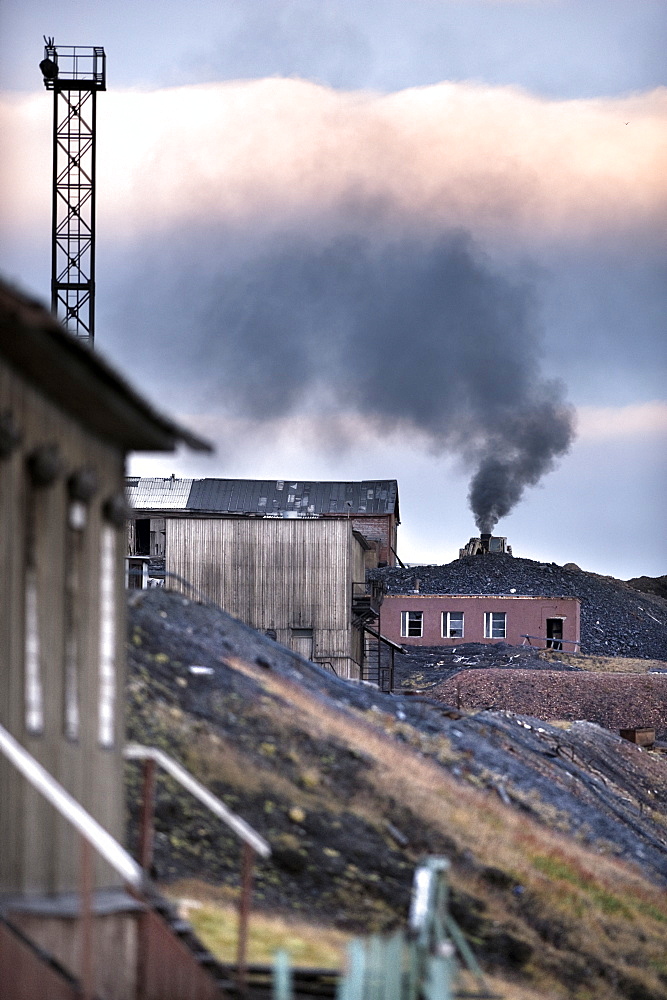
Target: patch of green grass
{"points": [[654, 913], [308, 945], [558, 869]]}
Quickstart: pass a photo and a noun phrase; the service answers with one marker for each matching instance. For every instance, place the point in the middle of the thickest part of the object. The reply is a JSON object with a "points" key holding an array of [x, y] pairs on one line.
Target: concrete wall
{"points": [[525, 616]]}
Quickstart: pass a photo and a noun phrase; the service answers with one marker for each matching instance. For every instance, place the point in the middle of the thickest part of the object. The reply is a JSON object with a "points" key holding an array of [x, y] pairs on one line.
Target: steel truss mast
{"points": [[75, 75]]}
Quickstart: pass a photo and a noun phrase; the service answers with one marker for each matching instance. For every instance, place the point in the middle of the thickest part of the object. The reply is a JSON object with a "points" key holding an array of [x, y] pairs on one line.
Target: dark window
{"points": [[452, 624], [412, 623], [142, 536], [495, 625], [554, 633]]}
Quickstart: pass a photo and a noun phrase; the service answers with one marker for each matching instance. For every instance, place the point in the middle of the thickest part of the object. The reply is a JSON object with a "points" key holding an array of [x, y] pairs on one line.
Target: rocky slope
{"points": [[556, 835], [616, 619]]}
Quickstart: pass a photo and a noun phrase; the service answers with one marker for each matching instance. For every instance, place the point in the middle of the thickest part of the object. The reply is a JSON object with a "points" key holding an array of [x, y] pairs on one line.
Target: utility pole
{"points": [[75, 75]]}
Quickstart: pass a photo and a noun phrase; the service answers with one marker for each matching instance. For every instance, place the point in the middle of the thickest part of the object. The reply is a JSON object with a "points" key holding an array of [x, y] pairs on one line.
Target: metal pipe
{"points": [[68, 807], [146, 821], [134, 751], [247, 863], [86, 920]]}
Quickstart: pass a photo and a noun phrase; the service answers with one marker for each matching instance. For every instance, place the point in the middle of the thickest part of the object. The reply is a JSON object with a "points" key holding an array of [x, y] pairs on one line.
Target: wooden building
{"points": [[287, 558], [67, 421], [300, 580], [370, 505]]}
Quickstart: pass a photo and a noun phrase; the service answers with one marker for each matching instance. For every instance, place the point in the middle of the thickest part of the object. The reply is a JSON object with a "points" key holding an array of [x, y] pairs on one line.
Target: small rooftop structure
{"points": [[485, 544]]}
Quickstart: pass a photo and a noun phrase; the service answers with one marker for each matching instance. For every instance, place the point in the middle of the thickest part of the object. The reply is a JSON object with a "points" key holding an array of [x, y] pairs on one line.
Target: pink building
{"points": [[447, 620]]}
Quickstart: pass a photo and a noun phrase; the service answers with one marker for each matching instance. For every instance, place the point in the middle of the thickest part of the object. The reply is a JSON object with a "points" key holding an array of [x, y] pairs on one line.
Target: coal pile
{"points": [[616, 619], [424, 667]]}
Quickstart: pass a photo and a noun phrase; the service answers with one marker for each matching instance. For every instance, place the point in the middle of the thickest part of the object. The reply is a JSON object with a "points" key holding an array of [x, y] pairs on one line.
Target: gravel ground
{"points": [[615, 701], [424, 667], [616, 619]]}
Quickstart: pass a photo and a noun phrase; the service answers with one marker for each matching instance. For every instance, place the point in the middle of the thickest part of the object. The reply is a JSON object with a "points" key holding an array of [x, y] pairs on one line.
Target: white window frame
{"points": [[418, 618], [491, 626], [34, 690], [106, 712], [448, 624]]}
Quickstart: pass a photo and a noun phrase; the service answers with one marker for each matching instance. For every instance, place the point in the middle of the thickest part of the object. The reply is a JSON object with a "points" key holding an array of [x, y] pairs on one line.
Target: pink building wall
{"points": [[524, 616]]}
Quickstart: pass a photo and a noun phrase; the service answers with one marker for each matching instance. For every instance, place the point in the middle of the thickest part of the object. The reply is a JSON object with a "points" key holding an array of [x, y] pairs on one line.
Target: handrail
{"points": [[542, 638], [135, 751], [95, 834], [251, 840]]}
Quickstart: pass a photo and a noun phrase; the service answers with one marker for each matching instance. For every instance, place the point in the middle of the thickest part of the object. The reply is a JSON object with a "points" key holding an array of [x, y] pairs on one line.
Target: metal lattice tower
{"points": [[75, 75]]}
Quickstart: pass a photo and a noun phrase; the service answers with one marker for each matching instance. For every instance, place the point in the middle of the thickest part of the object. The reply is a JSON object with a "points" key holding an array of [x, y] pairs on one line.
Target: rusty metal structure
{"points": [[485, 544], [75, 75]]}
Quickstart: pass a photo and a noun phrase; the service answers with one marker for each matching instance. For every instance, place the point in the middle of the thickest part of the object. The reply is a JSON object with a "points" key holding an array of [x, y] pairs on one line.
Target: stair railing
{"points": [[253, 843], [92, 834]]}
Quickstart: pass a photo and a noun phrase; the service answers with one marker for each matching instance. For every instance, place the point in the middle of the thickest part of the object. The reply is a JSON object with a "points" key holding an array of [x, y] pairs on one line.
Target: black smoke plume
{"points": [[420, 337]]}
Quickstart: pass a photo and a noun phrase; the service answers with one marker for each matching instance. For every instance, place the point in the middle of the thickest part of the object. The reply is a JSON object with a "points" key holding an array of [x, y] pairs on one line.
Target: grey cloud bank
{"points": [[557, 48], [417, 335]]}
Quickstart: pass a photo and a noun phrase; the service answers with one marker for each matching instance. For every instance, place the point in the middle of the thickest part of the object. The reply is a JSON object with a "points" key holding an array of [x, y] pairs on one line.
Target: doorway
{"points": [[554, 633], [302, 642]]}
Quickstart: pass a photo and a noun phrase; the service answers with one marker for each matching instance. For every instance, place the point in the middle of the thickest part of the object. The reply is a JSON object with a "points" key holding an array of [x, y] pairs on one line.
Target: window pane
{"points": [[452, 624], [498, 625], [34, 694], [456, 624], [495, 625], [412, 623]]}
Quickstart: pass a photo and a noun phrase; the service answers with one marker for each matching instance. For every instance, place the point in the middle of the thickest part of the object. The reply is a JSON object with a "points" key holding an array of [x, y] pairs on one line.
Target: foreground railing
{"points": [[93, 835], [164, 963], [252, 842], [419, 963], [551, 643]]}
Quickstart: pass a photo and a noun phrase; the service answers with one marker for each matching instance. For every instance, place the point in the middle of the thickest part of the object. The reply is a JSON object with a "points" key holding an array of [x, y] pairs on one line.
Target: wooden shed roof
{"points": [[79, 381]]}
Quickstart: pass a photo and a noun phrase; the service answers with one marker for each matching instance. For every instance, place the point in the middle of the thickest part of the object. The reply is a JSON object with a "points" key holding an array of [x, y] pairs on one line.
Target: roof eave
{"points": [[80, 382]]}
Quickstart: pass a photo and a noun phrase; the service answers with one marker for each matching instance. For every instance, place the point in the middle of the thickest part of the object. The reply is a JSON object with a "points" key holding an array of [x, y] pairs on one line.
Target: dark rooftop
{"points": [[257, 496]]}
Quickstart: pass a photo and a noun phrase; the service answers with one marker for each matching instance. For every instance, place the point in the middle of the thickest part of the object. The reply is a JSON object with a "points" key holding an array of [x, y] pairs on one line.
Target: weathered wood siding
{"points": [[38, 851], [280, 574]]}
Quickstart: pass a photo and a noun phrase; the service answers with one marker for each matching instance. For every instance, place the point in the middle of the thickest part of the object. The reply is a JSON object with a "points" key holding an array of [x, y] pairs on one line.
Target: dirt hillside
{"points": [[556, 836]]}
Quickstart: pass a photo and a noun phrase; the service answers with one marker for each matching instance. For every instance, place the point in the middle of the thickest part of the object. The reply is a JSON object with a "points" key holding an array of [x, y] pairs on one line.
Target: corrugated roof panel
{"points": [[159, 494], [247, 496]]}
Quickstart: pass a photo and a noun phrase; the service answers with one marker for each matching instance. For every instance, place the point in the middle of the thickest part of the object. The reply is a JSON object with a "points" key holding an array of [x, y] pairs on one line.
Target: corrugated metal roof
{"points": [[255, 496], [158, 494]]}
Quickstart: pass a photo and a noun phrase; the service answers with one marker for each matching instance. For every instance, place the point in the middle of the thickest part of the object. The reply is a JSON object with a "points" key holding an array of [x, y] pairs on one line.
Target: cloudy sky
{"points": [[411, 239]]}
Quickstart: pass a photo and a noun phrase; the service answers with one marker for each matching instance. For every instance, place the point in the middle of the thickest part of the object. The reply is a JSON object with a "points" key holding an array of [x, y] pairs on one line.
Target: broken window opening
{"points": [[495, 625], [452, 624], [142, 536], [412, 623]]}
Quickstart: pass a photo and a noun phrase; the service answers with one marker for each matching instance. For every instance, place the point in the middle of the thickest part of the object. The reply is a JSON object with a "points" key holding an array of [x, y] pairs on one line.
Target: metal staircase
{"points": [[172, 964]]}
